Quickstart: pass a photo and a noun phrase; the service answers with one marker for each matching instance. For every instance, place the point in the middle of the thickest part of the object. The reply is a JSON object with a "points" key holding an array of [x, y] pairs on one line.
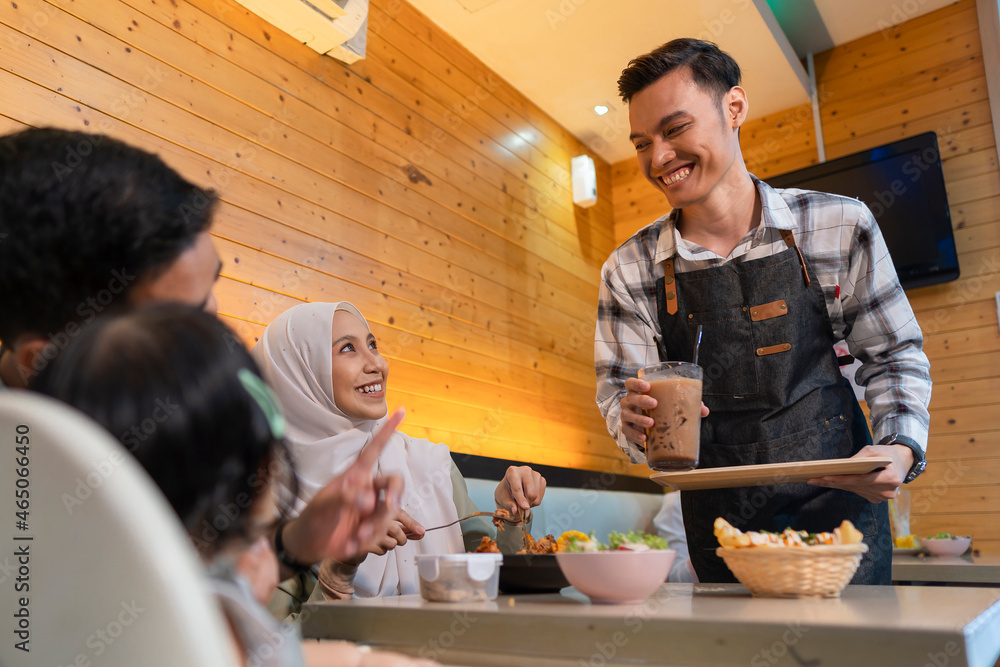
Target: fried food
{"points": [[546, 545], [499, 516], [730, 536], [487, 545], [529, 544], [848, 533]]}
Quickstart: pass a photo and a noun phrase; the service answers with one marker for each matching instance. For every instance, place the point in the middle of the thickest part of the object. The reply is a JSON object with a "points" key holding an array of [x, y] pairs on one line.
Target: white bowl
{"points": [[617, 577], [955, 546], [459, 577]]}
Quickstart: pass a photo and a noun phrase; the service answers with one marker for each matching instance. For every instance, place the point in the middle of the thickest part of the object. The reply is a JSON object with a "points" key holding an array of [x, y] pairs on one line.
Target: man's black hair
{"points": [[82, 218], [165, 380], [711, 67]]}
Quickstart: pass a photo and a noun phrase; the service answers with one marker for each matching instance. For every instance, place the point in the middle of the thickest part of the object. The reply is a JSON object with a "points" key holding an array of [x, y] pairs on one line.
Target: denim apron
{"points": [[776, 394]]}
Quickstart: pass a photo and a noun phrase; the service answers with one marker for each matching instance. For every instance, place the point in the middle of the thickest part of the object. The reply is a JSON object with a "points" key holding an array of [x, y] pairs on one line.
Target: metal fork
{"points": [[512, 520]]}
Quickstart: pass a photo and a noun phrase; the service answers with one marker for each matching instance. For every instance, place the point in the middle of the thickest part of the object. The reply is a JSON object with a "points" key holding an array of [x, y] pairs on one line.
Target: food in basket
{"points": [[730, 536], [791, 563]]}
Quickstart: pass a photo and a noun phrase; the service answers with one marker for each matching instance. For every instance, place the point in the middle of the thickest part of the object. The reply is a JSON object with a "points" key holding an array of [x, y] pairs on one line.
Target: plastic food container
{"points": [[459, 577]]}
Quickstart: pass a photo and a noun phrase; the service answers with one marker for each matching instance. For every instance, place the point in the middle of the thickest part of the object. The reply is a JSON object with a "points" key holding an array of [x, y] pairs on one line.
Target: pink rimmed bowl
{"points": [[617, 577], [949, 546]]}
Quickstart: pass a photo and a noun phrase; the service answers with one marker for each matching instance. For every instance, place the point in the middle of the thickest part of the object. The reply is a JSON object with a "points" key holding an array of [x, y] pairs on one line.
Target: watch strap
{"points": [[919, 461]]}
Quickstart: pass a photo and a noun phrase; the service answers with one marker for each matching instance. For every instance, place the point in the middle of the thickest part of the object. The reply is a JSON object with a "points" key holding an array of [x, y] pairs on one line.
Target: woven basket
{"points": [[793, 572]]}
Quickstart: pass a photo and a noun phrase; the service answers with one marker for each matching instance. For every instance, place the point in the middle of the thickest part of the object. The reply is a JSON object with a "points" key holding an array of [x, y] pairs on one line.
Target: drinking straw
{"points": [[697, 344]]}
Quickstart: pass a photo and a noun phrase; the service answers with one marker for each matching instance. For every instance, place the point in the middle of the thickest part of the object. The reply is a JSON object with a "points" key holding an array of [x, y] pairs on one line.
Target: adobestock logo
{"points": [[140, 432], [87, 310]]}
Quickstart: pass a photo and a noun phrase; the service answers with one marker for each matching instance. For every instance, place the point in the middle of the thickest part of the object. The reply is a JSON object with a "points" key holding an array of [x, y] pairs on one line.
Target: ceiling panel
{"points": [[566, 56], [847, 20]]}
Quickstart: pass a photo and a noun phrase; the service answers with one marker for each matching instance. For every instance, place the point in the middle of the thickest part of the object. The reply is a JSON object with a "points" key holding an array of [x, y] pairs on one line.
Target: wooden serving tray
{"points": [[767, 475]]}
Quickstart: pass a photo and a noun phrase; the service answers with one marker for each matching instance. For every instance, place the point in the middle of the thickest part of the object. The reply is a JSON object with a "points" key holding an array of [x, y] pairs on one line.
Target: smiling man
{"points": [[775, 278]]}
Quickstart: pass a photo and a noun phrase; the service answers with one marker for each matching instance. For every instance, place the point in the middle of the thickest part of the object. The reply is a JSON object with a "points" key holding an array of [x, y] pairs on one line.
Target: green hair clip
{"points": [[266, 399]]}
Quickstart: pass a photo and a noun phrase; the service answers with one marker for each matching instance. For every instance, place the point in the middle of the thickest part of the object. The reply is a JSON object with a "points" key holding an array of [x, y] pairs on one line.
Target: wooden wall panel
{"points": [[416, 184], [923, 75]]}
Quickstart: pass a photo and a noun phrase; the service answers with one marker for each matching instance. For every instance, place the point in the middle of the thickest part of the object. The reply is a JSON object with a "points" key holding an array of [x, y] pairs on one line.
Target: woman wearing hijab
{"points": [[323, 362]]}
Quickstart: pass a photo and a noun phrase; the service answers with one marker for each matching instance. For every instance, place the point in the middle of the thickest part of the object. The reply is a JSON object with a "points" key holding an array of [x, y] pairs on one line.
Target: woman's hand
{"points": [[520, 489], [350, 510], [396, 534]]}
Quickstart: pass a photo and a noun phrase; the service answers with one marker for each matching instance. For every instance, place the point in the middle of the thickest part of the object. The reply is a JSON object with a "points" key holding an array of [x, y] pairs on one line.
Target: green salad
{"points": [[632, 541]]}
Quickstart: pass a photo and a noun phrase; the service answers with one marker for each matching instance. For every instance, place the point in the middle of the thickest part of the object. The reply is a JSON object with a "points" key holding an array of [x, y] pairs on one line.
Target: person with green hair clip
{"points": [[221, 460]]}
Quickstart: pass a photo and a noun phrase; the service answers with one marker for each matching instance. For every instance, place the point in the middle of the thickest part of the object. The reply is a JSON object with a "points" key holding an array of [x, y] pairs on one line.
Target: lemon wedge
{"points": [[564, 539]]}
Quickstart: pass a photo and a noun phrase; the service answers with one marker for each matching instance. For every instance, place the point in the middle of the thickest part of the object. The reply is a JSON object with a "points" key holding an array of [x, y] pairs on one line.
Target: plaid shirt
{"points": [[840, 240]]}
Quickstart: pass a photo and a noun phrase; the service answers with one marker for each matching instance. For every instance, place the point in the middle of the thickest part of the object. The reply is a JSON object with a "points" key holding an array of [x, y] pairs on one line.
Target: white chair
{"points": [[110, 576]]}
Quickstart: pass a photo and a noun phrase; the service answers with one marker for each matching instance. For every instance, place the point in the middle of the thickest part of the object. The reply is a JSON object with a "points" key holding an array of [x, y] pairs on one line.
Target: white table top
{"points": [[681, 624]]}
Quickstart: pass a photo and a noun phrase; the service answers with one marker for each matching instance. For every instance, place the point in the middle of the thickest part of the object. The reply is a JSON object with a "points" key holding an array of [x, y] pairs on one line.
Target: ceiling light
{"points": [[600, 109]]}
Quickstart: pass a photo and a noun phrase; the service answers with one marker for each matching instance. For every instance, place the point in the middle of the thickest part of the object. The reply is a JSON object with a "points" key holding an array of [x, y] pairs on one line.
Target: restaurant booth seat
{"points": [[96, 567], [584, 509]]}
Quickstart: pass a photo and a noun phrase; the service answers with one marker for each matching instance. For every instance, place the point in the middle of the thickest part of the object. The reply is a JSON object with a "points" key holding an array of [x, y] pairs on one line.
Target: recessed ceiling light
{"points": [[600, 109]]}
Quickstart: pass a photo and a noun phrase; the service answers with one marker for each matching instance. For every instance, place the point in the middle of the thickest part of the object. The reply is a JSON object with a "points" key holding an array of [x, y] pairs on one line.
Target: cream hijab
{"points": [[296, 356]]}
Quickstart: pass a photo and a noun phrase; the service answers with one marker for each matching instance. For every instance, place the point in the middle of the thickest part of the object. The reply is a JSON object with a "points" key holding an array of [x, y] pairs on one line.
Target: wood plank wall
{"points": [[923, 75], [416, 184]]}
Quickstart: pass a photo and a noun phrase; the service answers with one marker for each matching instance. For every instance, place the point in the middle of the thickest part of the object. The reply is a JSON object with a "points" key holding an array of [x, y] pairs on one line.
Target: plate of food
{"points": [[534, 568], [771, 474]]}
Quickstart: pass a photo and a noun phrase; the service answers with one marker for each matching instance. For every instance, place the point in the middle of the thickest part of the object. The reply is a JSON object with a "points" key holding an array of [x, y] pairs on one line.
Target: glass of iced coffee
{"points": [[672, 443]]}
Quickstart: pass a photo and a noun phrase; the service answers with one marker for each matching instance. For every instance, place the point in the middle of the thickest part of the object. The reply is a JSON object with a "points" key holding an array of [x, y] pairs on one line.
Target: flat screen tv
{"points": [[903, 185]]}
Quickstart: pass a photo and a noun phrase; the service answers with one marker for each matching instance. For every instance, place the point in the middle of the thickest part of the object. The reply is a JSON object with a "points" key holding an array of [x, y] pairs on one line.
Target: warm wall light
{"points": [[600, 109], [584, 181]]}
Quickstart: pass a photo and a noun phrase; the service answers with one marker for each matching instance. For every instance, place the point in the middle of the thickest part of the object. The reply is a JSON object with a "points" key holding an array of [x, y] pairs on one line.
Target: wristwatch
{"points": [[919, 462]]}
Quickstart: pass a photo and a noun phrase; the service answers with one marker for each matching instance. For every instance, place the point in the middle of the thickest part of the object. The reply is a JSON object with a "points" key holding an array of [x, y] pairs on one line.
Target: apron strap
{"points": [[670, 286], [786, 235]]}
